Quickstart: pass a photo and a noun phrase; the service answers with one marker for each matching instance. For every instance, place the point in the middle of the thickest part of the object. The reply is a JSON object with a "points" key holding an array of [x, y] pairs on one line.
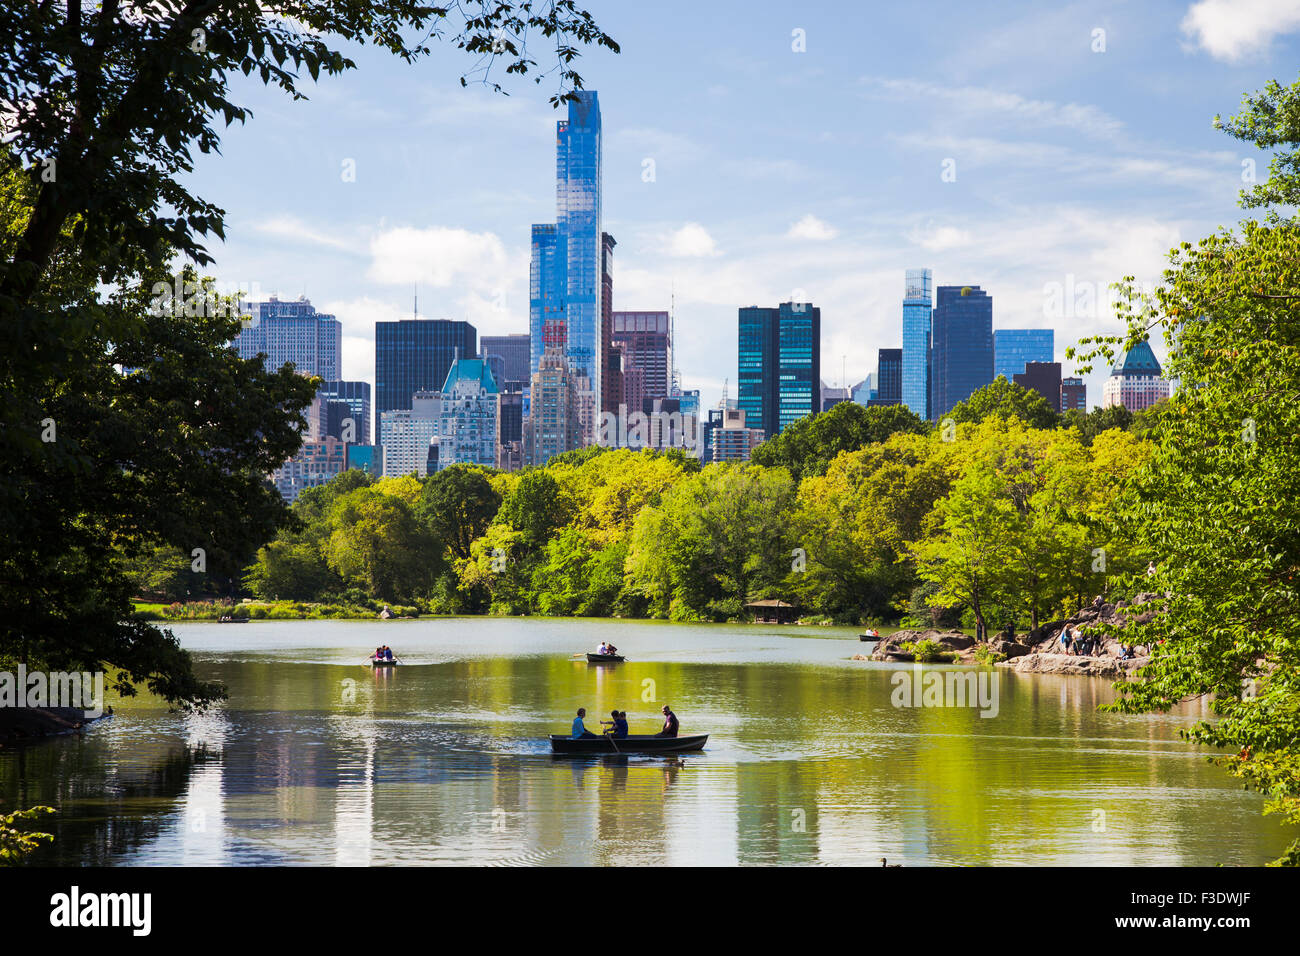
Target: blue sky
{"points": [[777, 174]]}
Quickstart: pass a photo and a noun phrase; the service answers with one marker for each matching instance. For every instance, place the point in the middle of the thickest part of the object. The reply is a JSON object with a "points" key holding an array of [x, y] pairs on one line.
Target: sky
{"points": [[758, 152]]}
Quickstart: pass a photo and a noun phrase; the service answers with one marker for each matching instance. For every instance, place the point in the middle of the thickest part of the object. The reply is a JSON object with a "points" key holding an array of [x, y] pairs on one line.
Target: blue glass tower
{"points": [[1014, 348], [961, 346], [566, 280], [779, 365], [917, 290]]}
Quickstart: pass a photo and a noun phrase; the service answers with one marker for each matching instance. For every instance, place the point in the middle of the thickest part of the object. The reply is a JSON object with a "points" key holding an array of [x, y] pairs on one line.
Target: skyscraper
{"points": [[467, 425], [508, 357], [1135, 381], [917, 289], [413, 355], [611, 359], [292, 332], [643, 338], [961, 345], [554, 425], [779, 364], [1014, 348], [889, 373], [356, 396], [568, 257]]}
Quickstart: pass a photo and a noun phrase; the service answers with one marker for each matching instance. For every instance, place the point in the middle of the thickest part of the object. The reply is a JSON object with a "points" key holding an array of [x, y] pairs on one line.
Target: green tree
{"points": [[457, 504], [808, 446], [377, 543], [1218, 505], [1006, 400], [536, 508]]}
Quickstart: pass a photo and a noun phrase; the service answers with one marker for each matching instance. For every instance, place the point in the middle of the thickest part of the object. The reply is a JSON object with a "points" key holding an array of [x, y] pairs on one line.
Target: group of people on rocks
{"points": [[617, 726], [1077, 644]]}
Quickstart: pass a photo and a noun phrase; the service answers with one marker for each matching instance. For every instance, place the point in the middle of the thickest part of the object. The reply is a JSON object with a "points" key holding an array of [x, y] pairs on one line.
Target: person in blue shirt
{"points": [[579, 728], [620, 723]]}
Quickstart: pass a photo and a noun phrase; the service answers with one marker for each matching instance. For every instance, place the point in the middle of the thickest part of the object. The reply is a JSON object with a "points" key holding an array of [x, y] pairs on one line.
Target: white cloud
{"points": [[810, 227], [692, 241], [984, 101], [440, 257], [295, 230], [937, 239], [1233, 30]]}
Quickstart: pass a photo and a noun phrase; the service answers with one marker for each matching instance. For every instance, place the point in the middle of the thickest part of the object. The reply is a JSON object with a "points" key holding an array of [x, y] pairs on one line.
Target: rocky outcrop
{"points": [[958, 648], [1104, 657]]}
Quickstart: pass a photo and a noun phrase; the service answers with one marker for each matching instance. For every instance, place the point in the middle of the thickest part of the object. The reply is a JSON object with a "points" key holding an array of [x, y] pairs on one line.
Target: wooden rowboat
{"points": [[632, 744], [604, 658], [377, 663]]}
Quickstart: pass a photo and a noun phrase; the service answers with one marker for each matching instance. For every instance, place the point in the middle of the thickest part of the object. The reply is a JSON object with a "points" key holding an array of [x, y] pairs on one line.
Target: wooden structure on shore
{"points": [[772, 611]]}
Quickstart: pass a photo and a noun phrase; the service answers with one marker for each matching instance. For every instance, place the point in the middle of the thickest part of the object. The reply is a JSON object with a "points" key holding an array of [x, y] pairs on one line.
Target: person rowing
{"points": [[670, 723], [617, 724]]}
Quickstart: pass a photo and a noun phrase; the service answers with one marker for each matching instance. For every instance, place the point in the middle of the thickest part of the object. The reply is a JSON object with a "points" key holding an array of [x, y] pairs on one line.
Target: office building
{"points": [[779, 364], [1043, 378], [917, 316], [1015, 348], [316, 462], [889, 373], [645, 341], [507, 356], [292, 333], [413, 355], [467, 420], [961, 346], [1135, 381], [865, 391], [407, 435], [355, 399], [1074, 395], [730, 439]]}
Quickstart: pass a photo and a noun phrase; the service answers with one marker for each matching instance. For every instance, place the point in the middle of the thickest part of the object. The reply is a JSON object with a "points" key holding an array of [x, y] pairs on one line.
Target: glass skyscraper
{"points": [[1013, 349], [566, 281], [779, 364], [961, 346], [917, 303]]}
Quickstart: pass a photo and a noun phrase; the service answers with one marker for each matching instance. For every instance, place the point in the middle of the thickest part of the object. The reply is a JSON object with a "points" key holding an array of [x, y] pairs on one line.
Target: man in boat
{"points": [[670, 723], [620, 723], [388, 653], [603, 650], [579, 728]]}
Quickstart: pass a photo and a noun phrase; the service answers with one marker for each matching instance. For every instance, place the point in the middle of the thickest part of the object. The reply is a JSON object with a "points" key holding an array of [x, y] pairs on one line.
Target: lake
{"points": [[318, 760]]}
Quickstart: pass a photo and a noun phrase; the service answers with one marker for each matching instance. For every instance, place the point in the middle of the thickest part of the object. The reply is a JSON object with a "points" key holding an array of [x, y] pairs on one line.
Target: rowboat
{"points": [[632, 744], [379, 663], [604, 658]]}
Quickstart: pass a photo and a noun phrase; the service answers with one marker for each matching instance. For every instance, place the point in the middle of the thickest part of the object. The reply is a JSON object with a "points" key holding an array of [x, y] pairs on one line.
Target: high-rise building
{"points": [[832, 395], [508, 357], [413, 355], [961, 345], [611, 358], [779, 364], [407, 435], [355, 396], [317, 462], [729, 437], [1043, 378], [294, 333], [554, 425], [889, 373], [1074, 395], [645, 342], [867, 390], [568, 257], [467, 423], [1135, 381], [918, 285], [1014, 348]]}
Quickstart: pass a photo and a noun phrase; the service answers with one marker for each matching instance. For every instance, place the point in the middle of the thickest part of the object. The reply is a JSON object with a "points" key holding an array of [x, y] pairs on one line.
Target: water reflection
{"points": [[318, 760]]}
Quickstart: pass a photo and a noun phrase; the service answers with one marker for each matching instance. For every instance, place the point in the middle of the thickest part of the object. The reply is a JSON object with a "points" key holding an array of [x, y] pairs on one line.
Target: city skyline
{"points": [[1063, 178]]}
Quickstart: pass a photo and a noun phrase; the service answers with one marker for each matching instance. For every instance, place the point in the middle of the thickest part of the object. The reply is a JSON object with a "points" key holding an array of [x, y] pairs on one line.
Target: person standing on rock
{"points": [[1065, 639]]}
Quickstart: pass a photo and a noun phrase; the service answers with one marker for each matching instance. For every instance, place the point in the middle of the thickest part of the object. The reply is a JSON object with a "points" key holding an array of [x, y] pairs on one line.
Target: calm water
{"points": [[315, 759]]}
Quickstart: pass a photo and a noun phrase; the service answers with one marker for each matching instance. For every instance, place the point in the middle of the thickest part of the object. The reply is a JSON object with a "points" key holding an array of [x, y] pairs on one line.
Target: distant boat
{"points": [[604, 658], [632, 744], [232, 620]]}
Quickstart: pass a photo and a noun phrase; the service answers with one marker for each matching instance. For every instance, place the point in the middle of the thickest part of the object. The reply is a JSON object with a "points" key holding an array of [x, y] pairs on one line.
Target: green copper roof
{"points": [[471, 370], [1139, 360]]}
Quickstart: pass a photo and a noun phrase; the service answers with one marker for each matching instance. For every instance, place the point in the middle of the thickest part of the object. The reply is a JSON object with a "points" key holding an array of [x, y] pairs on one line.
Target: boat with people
{"points": [[632, 744], [604, 658], [383, 657]]}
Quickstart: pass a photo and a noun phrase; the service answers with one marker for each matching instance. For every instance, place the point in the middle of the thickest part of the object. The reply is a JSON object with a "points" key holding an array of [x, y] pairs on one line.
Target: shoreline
{"points": [[24, 725]]}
